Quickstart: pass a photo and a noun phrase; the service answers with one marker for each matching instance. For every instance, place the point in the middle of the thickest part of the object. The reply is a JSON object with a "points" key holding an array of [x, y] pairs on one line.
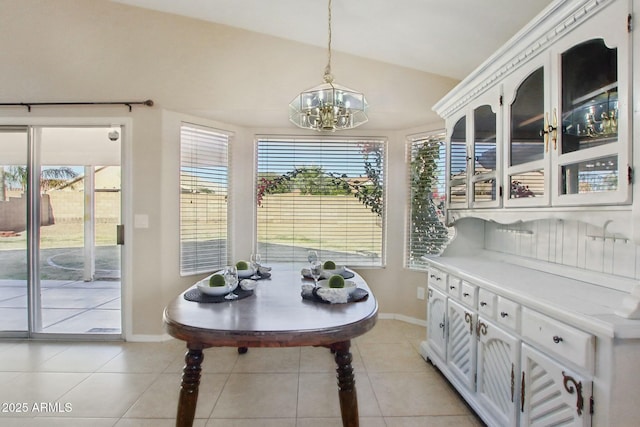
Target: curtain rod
{"points": [[148, 103]]}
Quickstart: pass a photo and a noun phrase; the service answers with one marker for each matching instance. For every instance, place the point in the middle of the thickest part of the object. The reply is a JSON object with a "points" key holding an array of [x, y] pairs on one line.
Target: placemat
{"points": [[196, 296], [358, 294]]}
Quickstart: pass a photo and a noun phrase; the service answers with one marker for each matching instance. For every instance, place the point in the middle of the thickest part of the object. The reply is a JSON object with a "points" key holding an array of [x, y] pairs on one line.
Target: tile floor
{"points": [[136, 384]]}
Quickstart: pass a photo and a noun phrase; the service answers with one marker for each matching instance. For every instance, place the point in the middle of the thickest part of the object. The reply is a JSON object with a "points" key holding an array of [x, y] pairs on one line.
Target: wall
{"points": [[13, 212], [238, 81]]}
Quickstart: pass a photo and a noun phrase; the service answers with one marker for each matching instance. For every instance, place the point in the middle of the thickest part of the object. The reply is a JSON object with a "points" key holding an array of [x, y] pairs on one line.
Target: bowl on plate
{"points": [[245, 274], [349, 286], [338, 270], [204, 287]]}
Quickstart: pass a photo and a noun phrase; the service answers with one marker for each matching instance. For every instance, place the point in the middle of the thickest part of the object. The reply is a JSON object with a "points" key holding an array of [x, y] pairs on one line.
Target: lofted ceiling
{"points": [[445, 37]]}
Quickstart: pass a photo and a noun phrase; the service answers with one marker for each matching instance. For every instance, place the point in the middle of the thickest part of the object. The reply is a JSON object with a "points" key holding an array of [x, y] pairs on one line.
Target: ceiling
{"points": [[445, 37]]}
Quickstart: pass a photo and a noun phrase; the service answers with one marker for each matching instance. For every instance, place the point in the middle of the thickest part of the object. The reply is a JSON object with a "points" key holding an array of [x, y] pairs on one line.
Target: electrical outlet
{"points": [[420, 292]]}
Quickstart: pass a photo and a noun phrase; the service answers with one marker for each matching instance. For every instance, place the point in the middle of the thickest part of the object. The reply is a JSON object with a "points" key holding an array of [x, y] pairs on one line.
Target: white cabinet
{"points": [[547, 334], [436, 324], [514, 365], [547, 121], [552, 394], [508, 313], [437, 279], [468, 292], [567, 129], [487, 302], [461, 343], [453, 287], [498, 385], [591, 157], [474, 154]]}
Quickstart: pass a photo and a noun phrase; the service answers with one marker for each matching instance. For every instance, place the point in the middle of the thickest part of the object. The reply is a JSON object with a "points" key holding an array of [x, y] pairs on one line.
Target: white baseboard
{"points": [[148, 338], [403, 318]]}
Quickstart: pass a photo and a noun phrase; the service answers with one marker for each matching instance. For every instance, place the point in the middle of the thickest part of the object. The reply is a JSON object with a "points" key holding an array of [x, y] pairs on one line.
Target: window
{"points": [[325, 194], [204, 184], [426, 234]]}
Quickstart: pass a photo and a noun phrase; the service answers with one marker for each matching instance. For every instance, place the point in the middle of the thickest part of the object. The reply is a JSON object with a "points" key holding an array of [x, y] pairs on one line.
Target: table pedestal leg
{"points": [[346, 384], [189, 388]]}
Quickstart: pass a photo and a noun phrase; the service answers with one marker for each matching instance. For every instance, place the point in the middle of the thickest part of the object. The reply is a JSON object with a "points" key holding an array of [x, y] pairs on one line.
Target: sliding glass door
{"points": [[61, 263], [14, 143]]}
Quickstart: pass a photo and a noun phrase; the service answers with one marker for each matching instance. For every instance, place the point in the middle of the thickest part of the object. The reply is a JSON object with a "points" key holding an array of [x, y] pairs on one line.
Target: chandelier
{"points": [[329, 106]]}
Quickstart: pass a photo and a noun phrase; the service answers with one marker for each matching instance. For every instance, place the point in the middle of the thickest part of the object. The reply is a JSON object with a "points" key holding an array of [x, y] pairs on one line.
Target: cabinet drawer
{"points": [[487, 302], [453, 288], [437, 279], [560, 339], [508, 313], [468, 294]]}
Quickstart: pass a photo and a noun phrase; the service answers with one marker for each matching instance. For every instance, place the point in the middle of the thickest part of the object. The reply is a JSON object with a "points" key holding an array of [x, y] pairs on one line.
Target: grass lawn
{"points": [[61, 256]]}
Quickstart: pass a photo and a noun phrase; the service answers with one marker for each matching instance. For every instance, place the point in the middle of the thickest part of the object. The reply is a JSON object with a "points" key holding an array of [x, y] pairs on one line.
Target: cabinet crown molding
{"points": [[551, 24]]}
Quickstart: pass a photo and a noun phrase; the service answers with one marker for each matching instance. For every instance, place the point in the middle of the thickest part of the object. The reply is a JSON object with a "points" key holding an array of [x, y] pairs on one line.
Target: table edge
{"points": [[204, 338]]}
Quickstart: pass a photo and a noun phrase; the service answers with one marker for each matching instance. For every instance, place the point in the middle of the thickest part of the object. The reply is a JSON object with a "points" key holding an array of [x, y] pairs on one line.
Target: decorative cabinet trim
{"points": [[571, 18]]}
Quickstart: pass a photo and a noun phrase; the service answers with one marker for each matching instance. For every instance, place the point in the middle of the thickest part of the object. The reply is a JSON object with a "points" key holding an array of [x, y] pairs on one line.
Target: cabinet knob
{"points": [[466, 294], [452, 287], [557, 339], [504, 314], [441, 325], [483, 304]]}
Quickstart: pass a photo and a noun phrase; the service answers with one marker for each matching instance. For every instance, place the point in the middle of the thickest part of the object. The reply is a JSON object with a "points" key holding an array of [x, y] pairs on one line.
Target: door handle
{"points": [[554, 129], [120, 234]]}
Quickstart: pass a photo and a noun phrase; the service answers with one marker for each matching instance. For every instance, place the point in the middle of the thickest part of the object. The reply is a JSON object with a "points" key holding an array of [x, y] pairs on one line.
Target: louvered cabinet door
{"points": [[461, 345], [498, 382], [436, 325], [552, 395]]}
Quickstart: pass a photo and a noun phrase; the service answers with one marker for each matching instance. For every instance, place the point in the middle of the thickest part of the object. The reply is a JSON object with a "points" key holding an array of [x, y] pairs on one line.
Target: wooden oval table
{"points": [[274, 316]]}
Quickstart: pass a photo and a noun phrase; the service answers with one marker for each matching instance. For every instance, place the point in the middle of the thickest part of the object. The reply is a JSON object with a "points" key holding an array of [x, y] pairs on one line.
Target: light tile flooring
{"points": [[136, 384]]}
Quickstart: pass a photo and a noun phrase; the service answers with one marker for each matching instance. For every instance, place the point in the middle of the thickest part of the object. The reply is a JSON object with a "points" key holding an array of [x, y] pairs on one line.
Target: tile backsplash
{"points": [[570, 243]]}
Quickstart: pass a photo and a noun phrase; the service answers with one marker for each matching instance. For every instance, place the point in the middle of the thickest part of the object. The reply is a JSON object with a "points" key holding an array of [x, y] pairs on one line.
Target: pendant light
{"points": [[329, 106]]}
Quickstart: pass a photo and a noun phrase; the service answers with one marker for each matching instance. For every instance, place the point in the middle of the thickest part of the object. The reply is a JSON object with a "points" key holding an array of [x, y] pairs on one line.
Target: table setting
{"points": [[323, 282], [334, 288], [232, 283]]}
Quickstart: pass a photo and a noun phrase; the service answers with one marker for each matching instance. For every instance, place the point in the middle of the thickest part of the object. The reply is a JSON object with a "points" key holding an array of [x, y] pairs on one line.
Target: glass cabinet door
{"points": [[592, 160], [562, 134], [527, 159], [458, 159], [484, 182]]}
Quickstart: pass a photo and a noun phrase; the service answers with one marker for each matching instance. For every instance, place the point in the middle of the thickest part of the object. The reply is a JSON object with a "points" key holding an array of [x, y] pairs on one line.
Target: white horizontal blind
{"points": [[323, 194], [426, 233], [204, 184]]}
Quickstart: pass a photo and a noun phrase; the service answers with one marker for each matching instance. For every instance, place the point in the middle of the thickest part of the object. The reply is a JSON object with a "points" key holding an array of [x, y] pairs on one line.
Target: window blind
{"points": [[426, 233], [324, 194], [204, 185]]}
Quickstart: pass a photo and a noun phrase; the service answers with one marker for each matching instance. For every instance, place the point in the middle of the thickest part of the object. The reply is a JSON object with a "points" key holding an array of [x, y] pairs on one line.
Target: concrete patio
{"points": [[68, 307]]}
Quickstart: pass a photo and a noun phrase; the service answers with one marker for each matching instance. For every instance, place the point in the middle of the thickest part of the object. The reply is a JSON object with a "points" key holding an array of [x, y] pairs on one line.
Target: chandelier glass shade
{"points": [[329, 106]]}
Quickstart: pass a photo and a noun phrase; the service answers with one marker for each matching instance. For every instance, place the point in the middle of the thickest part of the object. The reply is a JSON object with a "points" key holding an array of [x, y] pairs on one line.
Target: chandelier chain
{"points": [[327, 70]]}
